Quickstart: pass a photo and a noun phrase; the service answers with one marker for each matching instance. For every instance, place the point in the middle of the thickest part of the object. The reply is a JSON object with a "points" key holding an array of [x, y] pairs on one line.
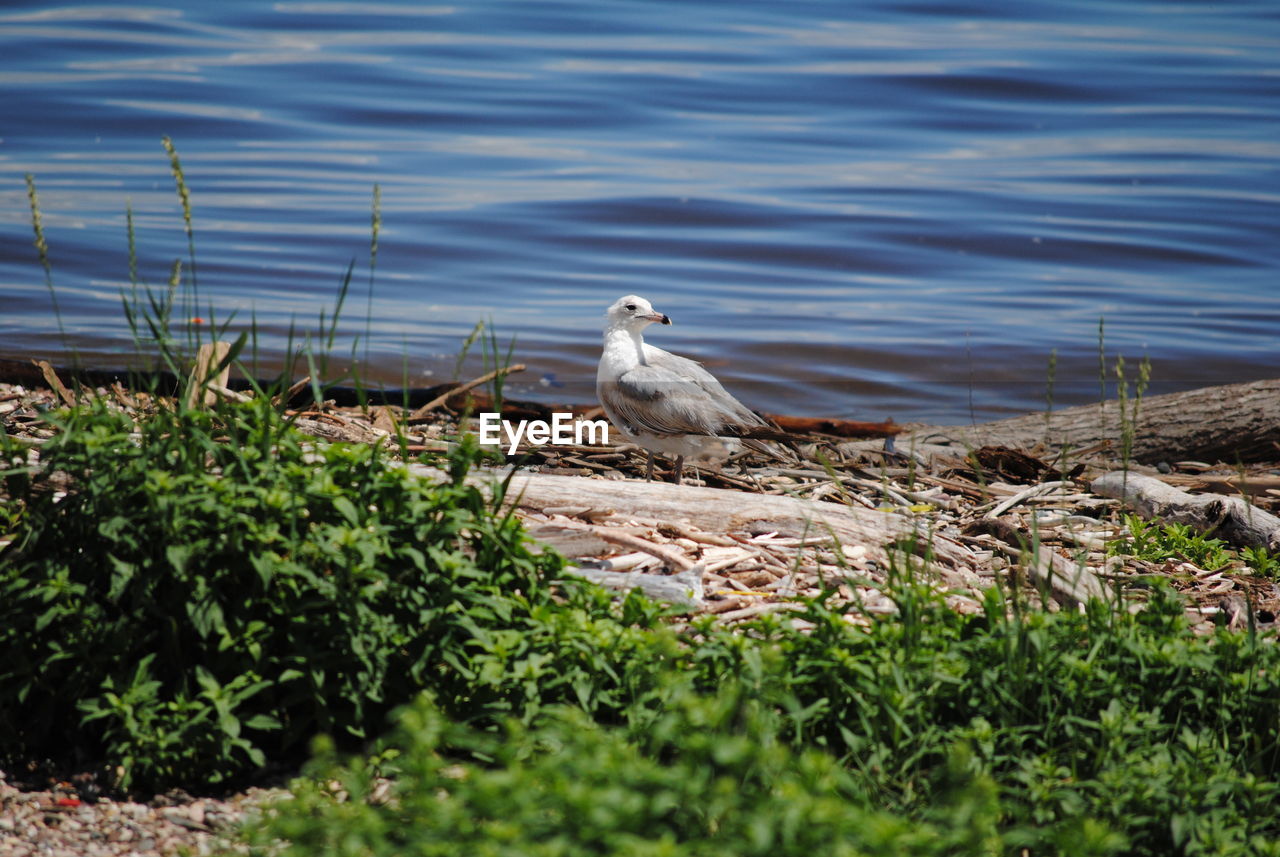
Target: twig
{"points": [[757, 610], [227, 393], [293, 390], [51, 378], [663, 553], [1023, 496], [475, 382]]}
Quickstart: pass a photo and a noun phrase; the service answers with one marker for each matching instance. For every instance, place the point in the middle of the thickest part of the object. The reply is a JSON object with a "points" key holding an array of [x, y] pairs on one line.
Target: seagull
{"points": [[661, 401]]}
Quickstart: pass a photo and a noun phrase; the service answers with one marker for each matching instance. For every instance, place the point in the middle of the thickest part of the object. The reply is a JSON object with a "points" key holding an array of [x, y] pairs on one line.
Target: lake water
{"points": [[854, 209]]}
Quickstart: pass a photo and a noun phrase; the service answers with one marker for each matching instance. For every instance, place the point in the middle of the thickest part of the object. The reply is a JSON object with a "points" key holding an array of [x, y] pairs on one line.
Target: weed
{"points": [[375, 230], [1050, 377], [1102, 375], [496, 361], [1155, 542], [212, 591], [184, 198], [1262, 561], [927, 732], [707, 776], [42, 249], [1129, 415]]}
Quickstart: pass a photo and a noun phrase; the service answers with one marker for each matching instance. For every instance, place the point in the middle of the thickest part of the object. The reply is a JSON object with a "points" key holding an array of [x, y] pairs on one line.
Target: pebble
{"points": [[55, 823]]}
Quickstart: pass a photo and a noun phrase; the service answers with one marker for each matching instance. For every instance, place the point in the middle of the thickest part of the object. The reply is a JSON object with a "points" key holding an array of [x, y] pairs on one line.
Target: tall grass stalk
{"points": [[968, 359], [375, 231], [1129, 414], [1102, 375], [42, 248], [494, 359], [466, 348], [1048, 392], [132, 239], [184, 197]]}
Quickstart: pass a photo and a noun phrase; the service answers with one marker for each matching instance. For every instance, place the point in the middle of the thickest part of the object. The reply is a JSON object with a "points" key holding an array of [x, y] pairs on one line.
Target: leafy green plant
{"points": [[707, 777], [1155, 542], [1097, 733], [218, 572], [1262, 561]]}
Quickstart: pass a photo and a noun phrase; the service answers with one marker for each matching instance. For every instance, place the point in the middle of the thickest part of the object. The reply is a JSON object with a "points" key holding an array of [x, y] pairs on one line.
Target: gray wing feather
{"points": [[673, 395]]}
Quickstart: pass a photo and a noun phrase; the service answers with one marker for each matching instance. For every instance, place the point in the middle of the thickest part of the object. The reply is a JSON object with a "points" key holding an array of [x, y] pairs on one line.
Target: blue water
{"points": [[866, 210]]}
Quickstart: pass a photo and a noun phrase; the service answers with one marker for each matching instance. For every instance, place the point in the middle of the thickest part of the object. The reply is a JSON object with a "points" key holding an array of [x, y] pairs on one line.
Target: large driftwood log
{"points": [[722, 511], [1229, 518], [1237, 422]]}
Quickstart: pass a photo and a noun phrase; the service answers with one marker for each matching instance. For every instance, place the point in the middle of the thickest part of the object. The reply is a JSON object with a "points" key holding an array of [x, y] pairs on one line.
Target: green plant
{"points": [[1095, 733], [218, 569], [375, 230], [1129, 415], [1050, 378], [707, 777], [1262, 561], [184, 198], [42, 249], [497, 362], [1102, 374], [1156, 542]]}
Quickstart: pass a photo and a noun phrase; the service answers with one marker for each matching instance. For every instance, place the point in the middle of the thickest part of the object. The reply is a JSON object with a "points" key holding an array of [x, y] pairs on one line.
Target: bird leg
{"points": [[648, 471], [679, 468]]}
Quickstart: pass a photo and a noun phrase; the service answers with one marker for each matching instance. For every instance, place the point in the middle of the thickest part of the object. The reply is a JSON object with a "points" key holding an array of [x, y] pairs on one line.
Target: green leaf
{"points": [[347, 509]]}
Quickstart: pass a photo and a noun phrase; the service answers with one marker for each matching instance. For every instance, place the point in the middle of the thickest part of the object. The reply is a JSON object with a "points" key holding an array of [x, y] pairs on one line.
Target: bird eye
{"points": [[631, 307]]}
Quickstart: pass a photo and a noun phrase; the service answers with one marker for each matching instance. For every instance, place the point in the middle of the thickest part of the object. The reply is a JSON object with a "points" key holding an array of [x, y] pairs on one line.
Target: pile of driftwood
{"points": [[1030, 502]]}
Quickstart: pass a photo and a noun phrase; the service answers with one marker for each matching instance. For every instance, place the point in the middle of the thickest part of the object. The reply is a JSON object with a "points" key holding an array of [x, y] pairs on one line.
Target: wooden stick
{"points": [[670, 557], [209, 356], [839, 428], [51, 378], [293, 390], [473, 383], [227, 393], [1023, 496]]}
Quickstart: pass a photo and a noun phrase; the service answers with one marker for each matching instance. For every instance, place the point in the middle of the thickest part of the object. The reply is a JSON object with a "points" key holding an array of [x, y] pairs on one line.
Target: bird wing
{"points": [[672, 395]]}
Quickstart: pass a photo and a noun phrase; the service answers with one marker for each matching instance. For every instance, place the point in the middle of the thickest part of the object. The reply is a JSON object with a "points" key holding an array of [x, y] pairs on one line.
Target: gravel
{"points": [[58, 821]]}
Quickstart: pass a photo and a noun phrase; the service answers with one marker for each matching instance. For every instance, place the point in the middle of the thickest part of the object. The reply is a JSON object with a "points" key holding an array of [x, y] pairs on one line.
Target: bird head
{"points": [[634, 313]]}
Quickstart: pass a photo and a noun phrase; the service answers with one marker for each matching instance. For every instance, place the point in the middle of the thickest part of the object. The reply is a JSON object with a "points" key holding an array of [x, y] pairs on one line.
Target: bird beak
{"points": [[658, 317]]}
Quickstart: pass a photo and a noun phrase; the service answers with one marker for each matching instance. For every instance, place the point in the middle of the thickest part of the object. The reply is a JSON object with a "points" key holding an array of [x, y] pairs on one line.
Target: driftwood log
{"points": [[721, 511], [1229, 518], [1233, 423]]}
